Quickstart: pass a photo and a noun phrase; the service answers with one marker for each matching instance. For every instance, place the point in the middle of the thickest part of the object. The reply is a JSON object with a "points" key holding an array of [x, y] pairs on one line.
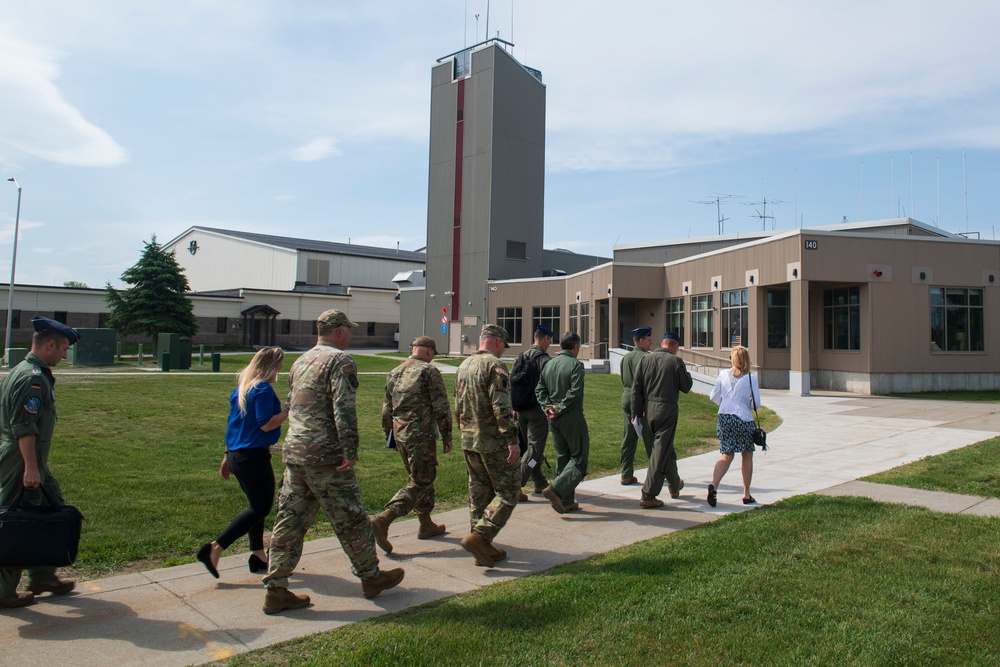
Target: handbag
{"points": [[759, 434], [39, 535]]}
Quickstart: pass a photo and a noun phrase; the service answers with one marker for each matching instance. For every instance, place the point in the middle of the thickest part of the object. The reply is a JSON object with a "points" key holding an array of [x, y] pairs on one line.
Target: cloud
{"points": [[7, 233], [35, 119], [315, 149]]}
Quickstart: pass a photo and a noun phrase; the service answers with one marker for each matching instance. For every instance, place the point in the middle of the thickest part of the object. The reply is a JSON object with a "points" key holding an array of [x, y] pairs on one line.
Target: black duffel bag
{"points": [[39, 535]]}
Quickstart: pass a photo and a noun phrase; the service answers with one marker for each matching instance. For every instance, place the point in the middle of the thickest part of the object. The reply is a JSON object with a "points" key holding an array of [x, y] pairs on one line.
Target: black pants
{"points": [[252, 469]]}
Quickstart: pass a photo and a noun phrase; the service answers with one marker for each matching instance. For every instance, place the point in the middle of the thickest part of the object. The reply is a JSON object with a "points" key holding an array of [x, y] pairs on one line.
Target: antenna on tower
{"points": [[718, 199], [761, 212]]}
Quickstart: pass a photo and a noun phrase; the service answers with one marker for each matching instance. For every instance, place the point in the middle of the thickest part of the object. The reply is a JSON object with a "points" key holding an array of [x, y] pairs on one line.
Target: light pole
{"points": [[10, 291]]}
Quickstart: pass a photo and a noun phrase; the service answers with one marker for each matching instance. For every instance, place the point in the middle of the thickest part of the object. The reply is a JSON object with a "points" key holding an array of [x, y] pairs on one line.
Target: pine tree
{"points": [[157, 302]]}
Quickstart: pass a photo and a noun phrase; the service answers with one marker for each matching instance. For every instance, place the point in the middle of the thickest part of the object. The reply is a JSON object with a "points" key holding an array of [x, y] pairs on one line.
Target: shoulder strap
{"points": [[752, 401]]}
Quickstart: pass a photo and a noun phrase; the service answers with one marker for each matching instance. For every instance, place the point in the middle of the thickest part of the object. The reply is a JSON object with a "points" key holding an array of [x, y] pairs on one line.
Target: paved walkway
{"points": [[181, 616]]}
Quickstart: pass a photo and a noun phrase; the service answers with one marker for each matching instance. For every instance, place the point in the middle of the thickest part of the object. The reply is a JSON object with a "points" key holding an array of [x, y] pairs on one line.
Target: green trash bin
{"points": [[216, 362], [164, 361]]}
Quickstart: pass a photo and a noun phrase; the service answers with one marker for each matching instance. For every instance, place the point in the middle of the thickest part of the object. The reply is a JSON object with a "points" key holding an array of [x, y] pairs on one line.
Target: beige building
{"points": [[875, 307]]}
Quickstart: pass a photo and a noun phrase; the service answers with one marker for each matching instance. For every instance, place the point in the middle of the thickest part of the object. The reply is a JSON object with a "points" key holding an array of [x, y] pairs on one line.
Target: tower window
{"points": [[517, 250]]}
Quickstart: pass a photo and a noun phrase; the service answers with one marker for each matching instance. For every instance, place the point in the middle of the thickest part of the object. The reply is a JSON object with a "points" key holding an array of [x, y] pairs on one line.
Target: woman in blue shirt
{"points": [[255, 417]]}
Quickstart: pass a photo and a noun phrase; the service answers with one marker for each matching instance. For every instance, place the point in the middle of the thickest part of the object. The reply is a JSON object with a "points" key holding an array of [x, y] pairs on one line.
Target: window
{"points": [[778, 320], [221, 325], [15, 318], [579, 321], [735, 316], [675, 317], [517, 250], [547, 315], [509, 319], [842, 318], [102, 320], [701, 321], [318, 272], [957, 319], [371, 328], [286, 326], [59, 316]]}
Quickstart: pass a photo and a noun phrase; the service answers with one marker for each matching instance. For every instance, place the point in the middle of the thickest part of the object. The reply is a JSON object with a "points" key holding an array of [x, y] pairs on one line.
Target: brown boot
{"points": [[676, 493], [630, 480], [428, 528], [554, 500], [496, 554], [523, 498], [650, 503], [280, 599], [380, 525], [19, 600], [385, 580], [541, 486], [55, 586], [477, 545]]}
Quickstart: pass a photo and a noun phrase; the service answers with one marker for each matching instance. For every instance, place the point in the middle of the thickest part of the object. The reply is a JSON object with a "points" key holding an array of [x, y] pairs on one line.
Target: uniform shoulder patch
{"points": [[502, 370], [35, 370], [32, 405], [352, 380]]}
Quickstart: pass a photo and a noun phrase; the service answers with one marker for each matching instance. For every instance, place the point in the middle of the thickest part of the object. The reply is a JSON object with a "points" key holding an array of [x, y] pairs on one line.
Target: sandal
{"points": [[712, 495], [750, 501]]}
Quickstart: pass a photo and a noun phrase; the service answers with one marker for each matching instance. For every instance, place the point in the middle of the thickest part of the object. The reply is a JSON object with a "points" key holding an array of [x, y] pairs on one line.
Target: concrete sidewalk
{"points": [[182, 616]]}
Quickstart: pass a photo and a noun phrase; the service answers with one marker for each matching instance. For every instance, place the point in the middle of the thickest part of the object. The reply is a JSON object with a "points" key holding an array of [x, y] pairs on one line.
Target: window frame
{"points": [[832, 312], [775, 328], [726, 312], [948, 311], [552, 320], [702, 305], [515, 317], [675, 316]]}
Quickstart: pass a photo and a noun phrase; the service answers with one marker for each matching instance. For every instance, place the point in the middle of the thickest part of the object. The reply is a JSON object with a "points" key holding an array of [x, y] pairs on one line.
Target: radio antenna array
{"points": [[717, 198]]}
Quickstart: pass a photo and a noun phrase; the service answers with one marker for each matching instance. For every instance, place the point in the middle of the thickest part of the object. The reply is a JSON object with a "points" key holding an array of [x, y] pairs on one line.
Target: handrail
{"points": [[719, 362]]}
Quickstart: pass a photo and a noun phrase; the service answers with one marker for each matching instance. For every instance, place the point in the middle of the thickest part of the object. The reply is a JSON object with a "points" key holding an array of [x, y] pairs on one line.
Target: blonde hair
{"points": [[264, 365], [741, 361]]}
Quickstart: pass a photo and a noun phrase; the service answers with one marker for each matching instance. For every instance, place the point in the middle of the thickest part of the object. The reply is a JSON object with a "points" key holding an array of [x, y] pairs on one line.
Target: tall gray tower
{"points": [[486, 186]]}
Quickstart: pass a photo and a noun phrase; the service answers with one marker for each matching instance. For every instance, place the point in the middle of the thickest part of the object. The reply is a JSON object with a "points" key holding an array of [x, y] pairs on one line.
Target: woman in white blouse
{"points": [[732, 393]]}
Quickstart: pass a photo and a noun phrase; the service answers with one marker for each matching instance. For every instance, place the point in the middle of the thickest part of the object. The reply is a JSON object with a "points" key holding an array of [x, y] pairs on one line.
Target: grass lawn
{"points": [[970, 470], [809, 581], [139, 455]]}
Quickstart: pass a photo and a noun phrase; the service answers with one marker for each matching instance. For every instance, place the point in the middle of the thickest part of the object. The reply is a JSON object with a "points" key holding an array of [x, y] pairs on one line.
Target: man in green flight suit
{"points": [[560, 390], [489, 443], [414, 411], [642, 340], [27, 420], [659, 379], [320, 450]]}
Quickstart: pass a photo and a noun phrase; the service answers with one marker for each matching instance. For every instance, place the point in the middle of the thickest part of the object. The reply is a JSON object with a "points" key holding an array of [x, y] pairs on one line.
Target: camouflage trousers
{"points": [[494, 487], [304, 489], [420, 461]]}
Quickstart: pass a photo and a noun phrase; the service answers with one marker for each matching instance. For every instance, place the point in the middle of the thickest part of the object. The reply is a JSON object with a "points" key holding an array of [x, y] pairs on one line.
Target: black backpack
{"points": [[523, 379]]}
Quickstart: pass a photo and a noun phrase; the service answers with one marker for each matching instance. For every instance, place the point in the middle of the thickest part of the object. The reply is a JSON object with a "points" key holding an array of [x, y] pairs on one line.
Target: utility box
{"points": [[177, 347], [16, 355], [96, 347]]}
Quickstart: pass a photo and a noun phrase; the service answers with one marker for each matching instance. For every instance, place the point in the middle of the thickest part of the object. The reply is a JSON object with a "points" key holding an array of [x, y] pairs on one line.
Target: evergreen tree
{"points": [[157, 302]]}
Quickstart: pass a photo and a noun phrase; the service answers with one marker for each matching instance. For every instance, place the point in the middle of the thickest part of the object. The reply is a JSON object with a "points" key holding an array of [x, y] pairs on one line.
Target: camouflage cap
{"points": [[494, 330], [424, 341], [331, 319]]}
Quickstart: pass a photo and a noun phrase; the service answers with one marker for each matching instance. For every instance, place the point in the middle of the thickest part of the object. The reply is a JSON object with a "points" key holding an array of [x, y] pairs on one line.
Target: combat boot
{"points": [[428, 528], [380, 525], [479, 547], [280, 599], [18, 600], [385, 580], [541, 486], [496, 554]]}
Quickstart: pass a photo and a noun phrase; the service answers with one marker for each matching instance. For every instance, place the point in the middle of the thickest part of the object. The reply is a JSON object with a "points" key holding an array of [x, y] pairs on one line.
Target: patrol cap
{"points": [[331, 319], [544, 330], [494, 330], [642, 332], [670, 335], [424, 341], [45, 324]]}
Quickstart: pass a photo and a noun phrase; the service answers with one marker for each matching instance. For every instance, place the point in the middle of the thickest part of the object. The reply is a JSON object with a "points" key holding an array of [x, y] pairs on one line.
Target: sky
{"points": [[303, 118]]}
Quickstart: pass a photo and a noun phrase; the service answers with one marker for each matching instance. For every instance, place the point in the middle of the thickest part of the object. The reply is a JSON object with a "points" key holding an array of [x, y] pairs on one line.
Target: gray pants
{"points": [[534, 428]]}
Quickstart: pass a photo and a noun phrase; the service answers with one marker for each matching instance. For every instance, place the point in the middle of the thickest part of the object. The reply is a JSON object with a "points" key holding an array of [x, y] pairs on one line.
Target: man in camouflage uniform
{"points": [[642, 340], [489, 443], [414, 411], [659, 378], [560, 391], [27, 421], [320, 450]]}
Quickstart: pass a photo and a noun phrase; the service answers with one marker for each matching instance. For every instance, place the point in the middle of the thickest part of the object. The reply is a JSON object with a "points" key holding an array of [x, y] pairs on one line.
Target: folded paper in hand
{"points": [[637, 425]]}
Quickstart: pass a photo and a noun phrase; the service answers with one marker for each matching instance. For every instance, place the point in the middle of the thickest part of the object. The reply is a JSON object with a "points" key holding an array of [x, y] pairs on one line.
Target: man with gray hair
{"points": [[489, 443], [560, 391], [320, 450]]}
